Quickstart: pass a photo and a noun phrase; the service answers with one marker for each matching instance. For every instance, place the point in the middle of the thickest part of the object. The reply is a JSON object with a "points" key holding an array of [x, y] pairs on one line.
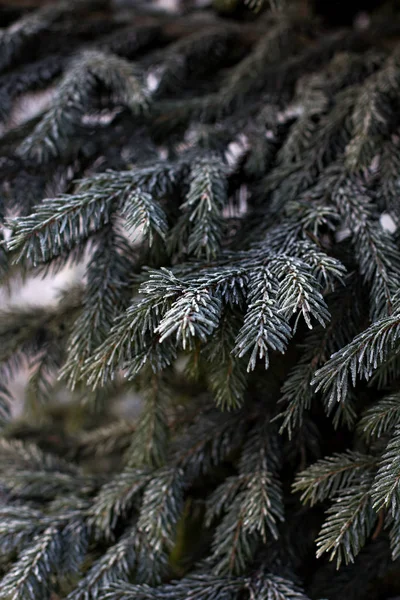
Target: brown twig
{"points": [[379, 525]]}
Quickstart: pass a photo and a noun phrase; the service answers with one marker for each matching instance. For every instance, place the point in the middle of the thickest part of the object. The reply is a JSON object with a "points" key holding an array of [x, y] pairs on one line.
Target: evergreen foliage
{"points": [[228, 185]]}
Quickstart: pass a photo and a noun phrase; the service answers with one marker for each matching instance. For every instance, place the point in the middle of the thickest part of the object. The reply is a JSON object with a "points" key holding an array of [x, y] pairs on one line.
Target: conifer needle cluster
{"points": [[230, 190]]}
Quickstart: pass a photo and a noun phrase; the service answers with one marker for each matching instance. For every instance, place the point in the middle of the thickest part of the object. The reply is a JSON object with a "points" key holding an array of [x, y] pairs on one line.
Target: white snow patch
{"points": [[388, 223]]}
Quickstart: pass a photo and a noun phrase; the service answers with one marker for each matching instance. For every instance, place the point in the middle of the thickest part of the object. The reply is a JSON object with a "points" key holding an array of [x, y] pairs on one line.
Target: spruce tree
{"points": [[227, 180]]}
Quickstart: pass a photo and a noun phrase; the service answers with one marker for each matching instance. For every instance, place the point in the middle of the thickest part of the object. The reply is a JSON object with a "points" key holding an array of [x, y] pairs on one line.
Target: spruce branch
{"points": [[280, 43], [161, 508], [195, 314], [381, 418], [297, 392], [75, 96], [30, 576], [385, 373], [299, 290], [107, 293], [42, 382], [233, 547], [144, 216], [269, 585], [297, 395], [60, 223], [27, 472], [377, 254], [388, 169], [319, 93], [149, 443], [226, 373], [331, 475], [259, 469], [233, 194], [350, 522], [265, 326], [211, 438], [130, 335], [25, 484], [359, 358], [115, 564], [106, 440], [18, 526], [26, 330], [252, 502], [203, 587], [17, 455], [372, 114], [116, 498], [17, 37], [221, 499], [184, 60], [59, 549], [199, 230], [385, 489], [35, 76], [354, 580]]}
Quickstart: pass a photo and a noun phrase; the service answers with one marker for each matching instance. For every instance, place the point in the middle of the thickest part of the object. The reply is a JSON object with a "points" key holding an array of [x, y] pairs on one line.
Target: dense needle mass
{"points": [[230, 189]]}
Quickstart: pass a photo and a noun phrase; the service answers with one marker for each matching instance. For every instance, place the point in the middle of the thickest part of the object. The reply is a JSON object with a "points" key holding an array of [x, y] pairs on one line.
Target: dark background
{"points": [[335, 12]]}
